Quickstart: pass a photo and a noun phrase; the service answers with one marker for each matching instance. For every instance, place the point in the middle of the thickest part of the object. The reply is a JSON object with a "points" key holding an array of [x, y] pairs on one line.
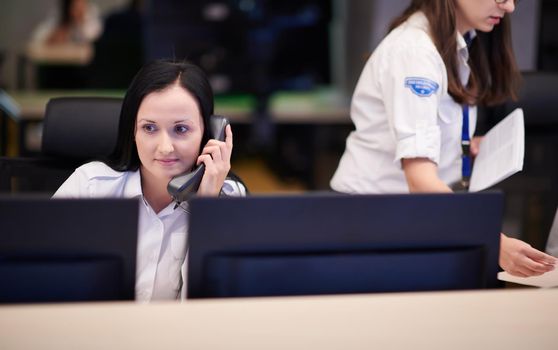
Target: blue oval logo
{"points": [[422, 87]]}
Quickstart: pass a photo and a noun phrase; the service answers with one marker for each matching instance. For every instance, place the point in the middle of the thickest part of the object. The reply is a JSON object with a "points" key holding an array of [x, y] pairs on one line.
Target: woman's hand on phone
{"points": [[216, 155]]}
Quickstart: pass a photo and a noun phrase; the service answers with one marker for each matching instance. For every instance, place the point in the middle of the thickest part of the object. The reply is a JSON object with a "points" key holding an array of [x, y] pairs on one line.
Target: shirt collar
{"points": [[169, 210], [419, 20], [132, 188], [462, 47]]}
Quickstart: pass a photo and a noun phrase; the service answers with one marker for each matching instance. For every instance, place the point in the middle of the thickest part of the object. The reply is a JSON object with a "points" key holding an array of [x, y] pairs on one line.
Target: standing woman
{"points": [[163, 132], [417, 95]]}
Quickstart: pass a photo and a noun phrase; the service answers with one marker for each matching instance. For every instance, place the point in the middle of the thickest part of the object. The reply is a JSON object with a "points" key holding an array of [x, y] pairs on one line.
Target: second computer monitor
{"points": [[332, 244]]}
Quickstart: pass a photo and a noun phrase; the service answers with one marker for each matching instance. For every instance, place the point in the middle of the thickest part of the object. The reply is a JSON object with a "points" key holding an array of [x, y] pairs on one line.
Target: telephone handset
{"points": [[184, 186]]}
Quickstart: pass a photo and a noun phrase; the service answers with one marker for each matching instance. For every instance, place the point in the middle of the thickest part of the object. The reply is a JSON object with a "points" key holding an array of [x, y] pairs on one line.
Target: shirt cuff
{"points": [[425, 143], [232, 188]]}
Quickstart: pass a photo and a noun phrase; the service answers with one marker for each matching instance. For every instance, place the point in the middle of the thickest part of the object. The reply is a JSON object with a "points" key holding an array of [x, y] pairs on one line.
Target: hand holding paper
{"points": [[546, 280]]}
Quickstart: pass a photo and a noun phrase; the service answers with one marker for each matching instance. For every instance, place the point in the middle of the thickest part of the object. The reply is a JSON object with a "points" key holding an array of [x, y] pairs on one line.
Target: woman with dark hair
{"points": [[163, 133], [414, 107]]}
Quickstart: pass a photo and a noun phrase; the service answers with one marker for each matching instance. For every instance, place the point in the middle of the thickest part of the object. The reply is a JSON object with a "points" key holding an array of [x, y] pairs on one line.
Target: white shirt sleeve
{"points": [[93, 180], [412, 85], [75, 186]]}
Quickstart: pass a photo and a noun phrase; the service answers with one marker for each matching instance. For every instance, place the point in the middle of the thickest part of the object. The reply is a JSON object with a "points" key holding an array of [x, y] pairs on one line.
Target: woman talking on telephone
{"points": [[163, 133], [414, 106]]}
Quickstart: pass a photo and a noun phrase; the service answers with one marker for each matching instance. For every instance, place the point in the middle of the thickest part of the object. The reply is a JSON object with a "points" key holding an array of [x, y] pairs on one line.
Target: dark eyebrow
{"points": [[185, 120]]}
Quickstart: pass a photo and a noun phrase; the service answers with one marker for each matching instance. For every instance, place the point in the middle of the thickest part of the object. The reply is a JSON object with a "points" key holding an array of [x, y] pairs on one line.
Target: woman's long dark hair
{"points": [[494, 73], [156, 76]]}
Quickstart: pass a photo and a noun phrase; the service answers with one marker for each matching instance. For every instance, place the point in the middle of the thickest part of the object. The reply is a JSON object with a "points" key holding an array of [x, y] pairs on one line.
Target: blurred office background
{"points": [[283, 70], [327, 39]]}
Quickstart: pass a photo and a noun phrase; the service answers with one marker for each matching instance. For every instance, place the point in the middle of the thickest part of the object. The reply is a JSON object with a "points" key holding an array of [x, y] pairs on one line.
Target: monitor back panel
{"points": [[329, 244], [55, 250]]}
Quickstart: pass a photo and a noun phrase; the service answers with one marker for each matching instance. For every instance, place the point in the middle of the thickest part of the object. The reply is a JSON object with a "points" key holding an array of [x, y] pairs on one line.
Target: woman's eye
{"points": [[150, 128], [181, 129]]}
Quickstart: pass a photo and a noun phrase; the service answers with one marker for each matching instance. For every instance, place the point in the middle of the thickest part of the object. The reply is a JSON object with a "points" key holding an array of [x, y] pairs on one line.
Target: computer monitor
{"points": [[335, 244], [58, 250]]}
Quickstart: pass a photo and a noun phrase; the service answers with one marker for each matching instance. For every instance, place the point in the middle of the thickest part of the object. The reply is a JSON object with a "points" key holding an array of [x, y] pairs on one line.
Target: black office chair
{"points": [[75, 130]]}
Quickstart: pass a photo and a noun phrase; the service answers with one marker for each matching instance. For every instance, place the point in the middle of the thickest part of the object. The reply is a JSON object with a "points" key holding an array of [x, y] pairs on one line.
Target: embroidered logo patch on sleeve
{"points": [[422, 87]]}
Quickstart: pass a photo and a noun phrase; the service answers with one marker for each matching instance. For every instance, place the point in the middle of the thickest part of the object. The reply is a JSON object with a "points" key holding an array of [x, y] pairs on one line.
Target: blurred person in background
{"points": [[61, 47], [75, 21]]}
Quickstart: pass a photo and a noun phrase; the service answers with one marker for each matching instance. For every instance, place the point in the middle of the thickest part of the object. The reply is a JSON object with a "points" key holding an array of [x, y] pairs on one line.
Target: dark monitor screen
{"points": [[58, 250], [335, 244]]}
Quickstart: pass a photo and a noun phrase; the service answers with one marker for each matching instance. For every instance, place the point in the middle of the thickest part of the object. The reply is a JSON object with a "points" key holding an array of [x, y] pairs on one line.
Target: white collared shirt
{"points": [[161, 249], [401, 109]]}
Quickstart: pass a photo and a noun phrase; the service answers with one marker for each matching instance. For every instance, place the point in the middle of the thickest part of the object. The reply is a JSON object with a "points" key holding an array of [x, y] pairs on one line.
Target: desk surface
{"points": [[319, 106], [66, 54], [503, 319], [61, 54]]}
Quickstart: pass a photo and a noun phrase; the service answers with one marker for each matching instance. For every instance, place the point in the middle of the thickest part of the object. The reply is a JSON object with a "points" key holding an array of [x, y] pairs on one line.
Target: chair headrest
{"points": [[81, 127]]}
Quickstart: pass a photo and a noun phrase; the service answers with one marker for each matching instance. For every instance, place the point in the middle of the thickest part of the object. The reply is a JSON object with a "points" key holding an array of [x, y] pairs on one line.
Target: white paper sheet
{"points": [[552, 242], [547, 280], [501, 152]]}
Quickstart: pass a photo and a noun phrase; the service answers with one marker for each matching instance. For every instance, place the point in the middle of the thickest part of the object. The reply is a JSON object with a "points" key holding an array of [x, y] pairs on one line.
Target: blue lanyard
{"points": [[466, 161]]}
